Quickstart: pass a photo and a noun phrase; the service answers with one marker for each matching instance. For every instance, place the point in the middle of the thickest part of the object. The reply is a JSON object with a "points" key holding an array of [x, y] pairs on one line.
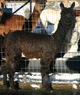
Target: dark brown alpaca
{"points": [[38, 46]]}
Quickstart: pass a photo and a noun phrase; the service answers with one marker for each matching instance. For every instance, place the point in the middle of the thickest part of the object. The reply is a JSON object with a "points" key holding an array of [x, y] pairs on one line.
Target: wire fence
{"points": [[63, 65]]}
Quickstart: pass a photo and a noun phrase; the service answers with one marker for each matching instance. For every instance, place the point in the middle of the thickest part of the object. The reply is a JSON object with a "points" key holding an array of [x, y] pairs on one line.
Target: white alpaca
{"points": [[50, 15]]}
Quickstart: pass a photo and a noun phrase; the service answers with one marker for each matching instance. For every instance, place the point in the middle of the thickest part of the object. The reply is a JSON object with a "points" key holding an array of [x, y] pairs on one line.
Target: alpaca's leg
{"points": [[11, 70], [4, 72], [52, 67], [5, 79], [45, 70], [11, 77]]}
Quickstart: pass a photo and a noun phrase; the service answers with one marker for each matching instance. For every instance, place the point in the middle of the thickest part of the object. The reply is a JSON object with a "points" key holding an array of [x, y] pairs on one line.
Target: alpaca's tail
{"points": [[2, 54], [1, 42]]}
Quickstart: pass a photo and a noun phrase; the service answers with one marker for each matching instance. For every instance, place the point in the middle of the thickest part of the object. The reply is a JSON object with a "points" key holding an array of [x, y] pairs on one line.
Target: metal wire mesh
{"points": [[61, 65]]}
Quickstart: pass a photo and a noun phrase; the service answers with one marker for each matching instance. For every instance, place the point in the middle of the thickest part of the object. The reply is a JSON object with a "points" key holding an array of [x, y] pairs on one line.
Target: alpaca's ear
{"points": [[62, 5], [73, 5]]}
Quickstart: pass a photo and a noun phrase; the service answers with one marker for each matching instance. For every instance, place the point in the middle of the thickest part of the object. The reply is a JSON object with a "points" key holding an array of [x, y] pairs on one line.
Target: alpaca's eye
{"points": [[63, 13]]}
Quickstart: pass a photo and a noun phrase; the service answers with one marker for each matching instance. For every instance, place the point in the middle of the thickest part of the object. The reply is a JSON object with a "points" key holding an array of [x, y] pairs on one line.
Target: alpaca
{"points": [[10, 22], [34, 45]]}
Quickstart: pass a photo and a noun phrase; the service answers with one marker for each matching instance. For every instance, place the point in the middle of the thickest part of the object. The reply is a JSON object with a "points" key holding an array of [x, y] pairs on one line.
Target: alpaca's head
{"points": [[41, 3], [67, 14]]}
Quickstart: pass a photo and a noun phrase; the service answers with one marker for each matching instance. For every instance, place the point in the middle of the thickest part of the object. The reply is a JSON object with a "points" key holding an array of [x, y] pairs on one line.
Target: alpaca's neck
{"points": [[31, 23], [35, 17], [62, 32]]}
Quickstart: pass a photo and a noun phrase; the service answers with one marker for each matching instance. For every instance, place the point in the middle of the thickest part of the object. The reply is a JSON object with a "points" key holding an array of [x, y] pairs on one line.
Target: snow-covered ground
{"points": [[57, 78]]}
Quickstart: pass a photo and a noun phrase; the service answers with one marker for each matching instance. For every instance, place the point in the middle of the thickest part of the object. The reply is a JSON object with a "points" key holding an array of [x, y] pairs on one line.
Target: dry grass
{"points": [[26, 89]]}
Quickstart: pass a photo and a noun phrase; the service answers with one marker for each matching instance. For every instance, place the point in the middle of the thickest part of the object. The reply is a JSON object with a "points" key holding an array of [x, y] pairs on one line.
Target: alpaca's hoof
{"points": [[16, 85]]}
